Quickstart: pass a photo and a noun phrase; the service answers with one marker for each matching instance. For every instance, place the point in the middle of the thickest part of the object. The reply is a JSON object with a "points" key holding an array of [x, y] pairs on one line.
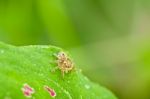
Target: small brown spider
{"points": [[64, 63]]}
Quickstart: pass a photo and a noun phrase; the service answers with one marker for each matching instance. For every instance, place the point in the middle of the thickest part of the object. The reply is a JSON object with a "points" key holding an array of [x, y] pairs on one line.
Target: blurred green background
{"points": [[108, 39]]}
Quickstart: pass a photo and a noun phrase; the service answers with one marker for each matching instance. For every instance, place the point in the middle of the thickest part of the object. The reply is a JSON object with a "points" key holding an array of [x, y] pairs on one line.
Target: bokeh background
{"points": [[108, 39]]}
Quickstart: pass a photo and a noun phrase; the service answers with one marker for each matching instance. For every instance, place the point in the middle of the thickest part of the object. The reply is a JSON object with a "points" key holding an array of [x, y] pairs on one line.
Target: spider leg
{"points": [[54, 69], [62, 72]]}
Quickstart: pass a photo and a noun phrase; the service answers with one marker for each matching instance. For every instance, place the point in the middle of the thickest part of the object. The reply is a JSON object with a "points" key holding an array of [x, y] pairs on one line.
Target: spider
{"points": [[64, 63]]}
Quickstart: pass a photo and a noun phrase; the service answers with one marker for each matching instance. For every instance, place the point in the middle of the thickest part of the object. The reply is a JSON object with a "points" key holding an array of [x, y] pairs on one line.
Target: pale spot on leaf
{"points": [[87, 86]]}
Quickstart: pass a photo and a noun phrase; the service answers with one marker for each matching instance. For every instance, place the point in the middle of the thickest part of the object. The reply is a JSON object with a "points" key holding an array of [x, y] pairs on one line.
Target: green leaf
{"points": [[33, 65]]}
